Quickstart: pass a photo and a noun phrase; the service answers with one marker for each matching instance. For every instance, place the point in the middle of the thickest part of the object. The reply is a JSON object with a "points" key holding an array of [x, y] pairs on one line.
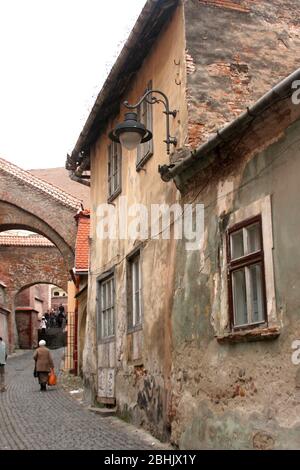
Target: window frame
{"points": [[132, 325], [247, 260], [114, 149], [100, 282], [146, 150]]}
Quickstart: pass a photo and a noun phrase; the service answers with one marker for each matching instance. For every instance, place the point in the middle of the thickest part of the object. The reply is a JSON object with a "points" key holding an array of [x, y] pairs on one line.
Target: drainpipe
{"points": [[76, 173], [78, 179]]}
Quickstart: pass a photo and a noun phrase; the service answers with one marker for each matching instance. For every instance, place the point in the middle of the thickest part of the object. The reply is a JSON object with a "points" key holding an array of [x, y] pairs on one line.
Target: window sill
{"points": [[136, 362], [140, 165], [255, 334], [135, 328], [109, 339], [114, 195]]}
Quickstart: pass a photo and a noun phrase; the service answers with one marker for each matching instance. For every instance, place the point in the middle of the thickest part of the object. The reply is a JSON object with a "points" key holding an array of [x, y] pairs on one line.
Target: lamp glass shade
{"points": [[130, 139]]}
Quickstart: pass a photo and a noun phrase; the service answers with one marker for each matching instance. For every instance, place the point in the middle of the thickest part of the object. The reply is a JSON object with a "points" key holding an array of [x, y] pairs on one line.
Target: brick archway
{"points": [[27, 202], [13, 217], [26, 261]]}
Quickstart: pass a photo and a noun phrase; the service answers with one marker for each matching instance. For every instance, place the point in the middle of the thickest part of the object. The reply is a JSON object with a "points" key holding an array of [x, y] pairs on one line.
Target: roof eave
{"points": [[132, 44]]}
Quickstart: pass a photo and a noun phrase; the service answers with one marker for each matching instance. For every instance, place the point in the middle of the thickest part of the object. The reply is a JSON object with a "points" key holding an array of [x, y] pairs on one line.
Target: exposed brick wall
{"points": [[33, 210], [41, 291], [27, 326], [23, 298], [22, 266], [236, 52]]}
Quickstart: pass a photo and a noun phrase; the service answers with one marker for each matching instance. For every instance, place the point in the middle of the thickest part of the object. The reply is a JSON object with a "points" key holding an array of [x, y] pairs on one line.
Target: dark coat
{"points": [[43, 358]]}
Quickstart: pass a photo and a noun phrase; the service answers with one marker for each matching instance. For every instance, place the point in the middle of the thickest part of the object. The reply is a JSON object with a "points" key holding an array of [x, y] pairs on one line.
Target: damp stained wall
{"points": [[241, 395]]}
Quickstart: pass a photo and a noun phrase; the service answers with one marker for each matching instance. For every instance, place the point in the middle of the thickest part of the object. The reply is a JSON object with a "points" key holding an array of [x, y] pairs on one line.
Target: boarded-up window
{"points": [[114, 170], [145, 116]]}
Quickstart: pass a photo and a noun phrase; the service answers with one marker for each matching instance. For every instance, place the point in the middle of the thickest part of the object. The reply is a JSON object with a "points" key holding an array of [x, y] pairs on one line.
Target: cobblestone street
{"points": [[33, 420]]}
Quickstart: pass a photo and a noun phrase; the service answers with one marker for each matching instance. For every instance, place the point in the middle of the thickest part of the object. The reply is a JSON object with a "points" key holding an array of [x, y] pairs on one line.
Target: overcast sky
{"points": [[54, 58]]}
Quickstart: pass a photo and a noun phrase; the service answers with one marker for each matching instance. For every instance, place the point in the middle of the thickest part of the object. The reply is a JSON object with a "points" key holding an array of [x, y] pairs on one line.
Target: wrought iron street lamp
{"points": [[130, 133]]}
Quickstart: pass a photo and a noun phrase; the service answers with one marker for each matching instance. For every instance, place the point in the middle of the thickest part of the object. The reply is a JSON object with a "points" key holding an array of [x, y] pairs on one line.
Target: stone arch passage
{"points": [[25, 266], [30, 203]]}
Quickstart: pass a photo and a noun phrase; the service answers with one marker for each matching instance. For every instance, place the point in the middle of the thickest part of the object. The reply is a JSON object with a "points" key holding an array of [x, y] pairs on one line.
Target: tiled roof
{"points": [[60, 177], [23, 240], [40, 185], [82, 241]]}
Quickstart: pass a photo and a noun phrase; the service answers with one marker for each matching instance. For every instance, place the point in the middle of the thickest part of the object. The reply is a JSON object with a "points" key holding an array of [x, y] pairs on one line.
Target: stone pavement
{"points": [[33, 420]]}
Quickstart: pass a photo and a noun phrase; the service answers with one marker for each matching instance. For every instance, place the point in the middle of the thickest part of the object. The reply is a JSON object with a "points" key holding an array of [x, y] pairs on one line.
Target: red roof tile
{"points": [[82, 241], [24, 240], [40, 185]]}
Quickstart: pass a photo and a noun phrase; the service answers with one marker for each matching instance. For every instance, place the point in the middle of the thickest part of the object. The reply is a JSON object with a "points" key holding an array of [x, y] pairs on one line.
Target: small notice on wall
{"points": [[106, 382]]}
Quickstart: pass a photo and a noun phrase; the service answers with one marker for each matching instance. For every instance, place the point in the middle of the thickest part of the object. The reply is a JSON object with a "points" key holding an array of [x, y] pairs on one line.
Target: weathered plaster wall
{"points": [[241, 395], [236, 52], [142, 379]]}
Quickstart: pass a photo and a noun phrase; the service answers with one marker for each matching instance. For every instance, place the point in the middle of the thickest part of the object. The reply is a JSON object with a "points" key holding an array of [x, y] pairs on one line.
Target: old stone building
{"points": [[160, 325]]}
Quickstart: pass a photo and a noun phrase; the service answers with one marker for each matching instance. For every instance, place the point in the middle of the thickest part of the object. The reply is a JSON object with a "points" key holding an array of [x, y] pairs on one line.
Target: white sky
{"points": [[54, 58]]}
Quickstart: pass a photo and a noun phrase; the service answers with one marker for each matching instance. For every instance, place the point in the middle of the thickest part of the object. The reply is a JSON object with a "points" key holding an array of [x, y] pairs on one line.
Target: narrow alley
{"points": [[30, 420]]}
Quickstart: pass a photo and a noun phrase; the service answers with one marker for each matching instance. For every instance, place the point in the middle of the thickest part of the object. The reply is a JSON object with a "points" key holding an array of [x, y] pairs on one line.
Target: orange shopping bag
{"points": [[52, 378]]}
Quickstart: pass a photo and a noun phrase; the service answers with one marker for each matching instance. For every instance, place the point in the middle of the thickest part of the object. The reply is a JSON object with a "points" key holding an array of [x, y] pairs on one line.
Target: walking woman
{"points": [[44, 363]]}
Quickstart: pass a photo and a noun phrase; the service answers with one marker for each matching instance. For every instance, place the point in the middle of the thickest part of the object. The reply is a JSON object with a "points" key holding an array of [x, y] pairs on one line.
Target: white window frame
{"points": [[244, 263], [264, 208]]}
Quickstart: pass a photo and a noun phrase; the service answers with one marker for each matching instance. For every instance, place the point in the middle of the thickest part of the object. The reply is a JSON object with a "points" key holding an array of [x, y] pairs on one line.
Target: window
{"points": [[106, 307], [134, 286], [145, 151], [114, 170], [56, 293], [247, 299]]}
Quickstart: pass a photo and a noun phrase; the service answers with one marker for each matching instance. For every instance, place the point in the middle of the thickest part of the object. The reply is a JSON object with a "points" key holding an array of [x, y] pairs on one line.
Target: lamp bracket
{"points": [[153, 100]]}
